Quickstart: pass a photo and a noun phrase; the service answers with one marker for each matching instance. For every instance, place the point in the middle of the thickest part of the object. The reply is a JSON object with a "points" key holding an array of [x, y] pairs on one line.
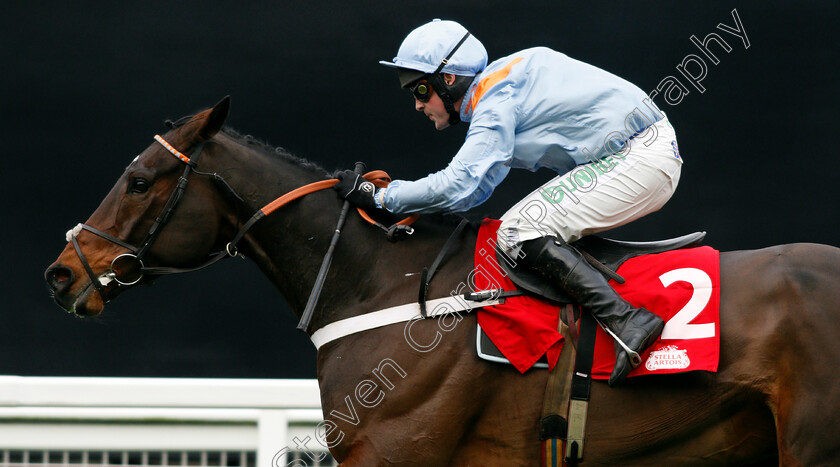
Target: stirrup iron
{"points": [[635, 359]]}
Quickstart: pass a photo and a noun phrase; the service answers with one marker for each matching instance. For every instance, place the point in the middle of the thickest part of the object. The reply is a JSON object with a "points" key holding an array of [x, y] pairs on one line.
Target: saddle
{"points": [[605, 253]]}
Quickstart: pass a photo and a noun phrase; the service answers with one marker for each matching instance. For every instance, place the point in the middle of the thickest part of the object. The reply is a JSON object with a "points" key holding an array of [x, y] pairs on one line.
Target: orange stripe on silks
{"points": [[489, 81]]}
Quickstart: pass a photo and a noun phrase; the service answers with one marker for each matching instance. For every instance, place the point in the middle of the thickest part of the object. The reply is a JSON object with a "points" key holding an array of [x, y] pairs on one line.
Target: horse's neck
{"points": [[289, 245]]}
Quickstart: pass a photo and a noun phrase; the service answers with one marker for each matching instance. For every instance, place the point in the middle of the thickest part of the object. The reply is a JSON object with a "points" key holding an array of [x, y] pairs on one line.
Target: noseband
{"points": [[133, 261]]}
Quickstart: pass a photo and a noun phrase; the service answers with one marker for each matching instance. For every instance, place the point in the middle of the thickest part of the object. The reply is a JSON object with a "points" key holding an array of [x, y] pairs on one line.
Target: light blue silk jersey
{"points": [[535, 108]]}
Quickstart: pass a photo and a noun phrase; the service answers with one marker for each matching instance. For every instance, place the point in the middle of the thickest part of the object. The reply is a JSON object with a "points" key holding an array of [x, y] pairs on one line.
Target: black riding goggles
{"points": [[422, 90]]}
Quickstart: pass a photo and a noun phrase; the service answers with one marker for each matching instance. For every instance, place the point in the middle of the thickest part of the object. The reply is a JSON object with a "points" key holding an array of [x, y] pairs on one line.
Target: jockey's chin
{"points": [[435, 110]]}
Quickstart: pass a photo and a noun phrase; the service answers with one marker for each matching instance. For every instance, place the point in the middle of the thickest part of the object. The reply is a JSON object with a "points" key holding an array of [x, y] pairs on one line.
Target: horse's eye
{"points": [[138, 185]]}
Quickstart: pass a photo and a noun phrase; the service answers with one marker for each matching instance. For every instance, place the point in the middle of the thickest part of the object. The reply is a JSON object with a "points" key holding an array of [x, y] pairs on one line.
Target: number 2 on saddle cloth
{"points": [[681, 286]]}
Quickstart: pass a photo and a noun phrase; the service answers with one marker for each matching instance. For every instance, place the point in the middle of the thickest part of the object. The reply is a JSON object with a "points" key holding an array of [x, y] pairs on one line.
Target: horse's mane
{"points": [[260, 145], [282, 153]]}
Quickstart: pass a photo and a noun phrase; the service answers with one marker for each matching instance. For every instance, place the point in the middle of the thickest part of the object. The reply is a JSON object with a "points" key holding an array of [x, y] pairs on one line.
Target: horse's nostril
{"points": [[59, 277]]}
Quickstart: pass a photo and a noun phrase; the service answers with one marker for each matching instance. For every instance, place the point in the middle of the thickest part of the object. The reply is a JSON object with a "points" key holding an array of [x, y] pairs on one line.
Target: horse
{"points": [[774, 398]]}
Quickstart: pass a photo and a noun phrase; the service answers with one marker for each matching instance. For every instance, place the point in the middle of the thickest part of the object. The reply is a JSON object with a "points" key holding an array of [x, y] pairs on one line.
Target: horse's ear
{"points": [[216, 119]]}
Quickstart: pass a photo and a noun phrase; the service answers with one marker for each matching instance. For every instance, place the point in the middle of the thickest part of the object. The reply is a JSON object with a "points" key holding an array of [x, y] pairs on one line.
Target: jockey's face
{"points": [[434, 108]]}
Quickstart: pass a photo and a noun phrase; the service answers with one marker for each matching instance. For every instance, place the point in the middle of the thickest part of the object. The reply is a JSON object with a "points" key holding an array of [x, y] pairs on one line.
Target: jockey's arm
{"points": [[466, 182], [469, 179]]}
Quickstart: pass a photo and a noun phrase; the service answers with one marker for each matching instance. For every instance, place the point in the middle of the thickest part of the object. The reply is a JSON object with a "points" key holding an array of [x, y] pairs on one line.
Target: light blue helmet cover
{"points": [[425, 47]]}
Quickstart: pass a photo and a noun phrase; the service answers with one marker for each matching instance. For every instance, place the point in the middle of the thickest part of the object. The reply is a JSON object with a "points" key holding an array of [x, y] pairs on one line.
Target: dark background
{"points": [[86, 85]]}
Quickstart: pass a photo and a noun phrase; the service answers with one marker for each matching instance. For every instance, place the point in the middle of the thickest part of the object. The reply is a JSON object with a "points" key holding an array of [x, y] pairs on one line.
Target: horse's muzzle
{"points": [[60, 280]]}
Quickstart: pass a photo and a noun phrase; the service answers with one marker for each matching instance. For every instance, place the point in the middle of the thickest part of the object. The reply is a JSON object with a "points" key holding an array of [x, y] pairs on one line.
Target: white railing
{"points": [[158, 421]]}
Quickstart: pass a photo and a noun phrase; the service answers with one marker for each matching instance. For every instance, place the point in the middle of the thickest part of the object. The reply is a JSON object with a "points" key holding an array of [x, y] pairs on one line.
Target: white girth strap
{"points": [[396, 314]]}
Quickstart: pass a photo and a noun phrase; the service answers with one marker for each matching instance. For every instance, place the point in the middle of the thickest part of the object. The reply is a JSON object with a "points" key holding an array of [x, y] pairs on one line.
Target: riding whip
{"points": [[325, 265]]}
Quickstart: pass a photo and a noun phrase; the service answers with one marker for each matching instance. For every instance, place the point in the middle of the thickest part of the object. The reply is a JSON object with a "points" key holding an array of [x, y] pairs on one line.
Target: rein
{"points": [[128, 269]]}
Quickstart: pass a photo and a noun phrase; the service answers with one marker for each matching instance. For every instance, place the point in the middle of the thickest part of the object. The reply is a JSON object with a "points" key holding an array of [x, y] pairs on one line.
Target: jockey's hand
{"points": [[354, 188]]}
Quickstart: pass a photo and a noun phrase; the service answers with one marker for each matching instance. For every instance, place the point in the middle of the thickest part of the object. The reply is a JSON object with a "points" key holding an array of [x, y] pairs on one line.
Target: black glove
{"points": [[354, 188]]}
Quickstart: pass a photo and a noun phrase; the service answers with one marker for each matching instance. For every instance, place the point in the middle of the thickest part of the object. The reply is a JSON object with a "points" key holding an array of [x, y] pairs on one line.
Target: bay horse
{"points": [[774, 399]]}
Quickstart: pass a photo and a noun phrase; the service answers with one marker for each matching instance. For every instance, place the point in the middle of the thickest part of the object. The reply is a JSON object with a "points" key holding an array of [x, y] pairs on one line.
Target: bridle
{"points": [[137, 253], [133, 261]]}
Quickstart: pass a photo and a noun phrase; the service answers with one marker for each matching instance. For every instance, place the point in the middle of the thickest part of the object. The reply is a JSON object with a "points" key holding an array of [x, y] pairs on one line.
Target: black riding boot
{"points": [[638, 328]]}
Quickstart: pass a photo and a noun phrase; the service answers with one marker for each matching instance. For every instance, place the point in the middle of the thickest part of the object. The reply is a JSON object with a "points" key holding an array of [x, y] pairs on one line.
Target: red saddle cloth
{"points": [[681, 286]]}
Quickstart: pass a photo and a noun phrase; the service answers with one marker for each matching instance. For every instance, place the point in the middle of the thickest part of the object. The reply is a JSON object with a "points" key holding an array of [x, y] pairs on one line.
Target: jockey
{"points": [[613, 150]]}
